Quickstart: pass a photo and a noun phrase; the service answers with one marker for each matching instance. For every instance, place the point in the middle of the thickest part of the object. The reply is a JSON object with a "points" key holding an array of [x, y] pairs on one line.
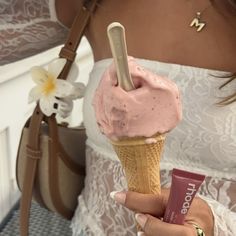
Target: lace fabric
{"points": [[96, 208], [204, 142], [28, 27], [98, 214]]}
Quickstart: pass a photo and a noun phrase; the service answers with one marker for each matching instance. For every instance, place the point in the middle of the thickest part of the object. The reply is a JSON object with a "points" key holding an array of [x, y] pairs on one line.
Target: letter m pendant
{"points": [[199, 25]]}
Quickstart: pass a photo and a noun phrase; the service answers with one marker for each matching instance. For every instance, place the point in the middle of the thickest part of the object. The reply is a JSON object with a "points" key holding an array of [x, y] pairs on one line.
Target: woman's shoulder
{"points": [[67, 10]]}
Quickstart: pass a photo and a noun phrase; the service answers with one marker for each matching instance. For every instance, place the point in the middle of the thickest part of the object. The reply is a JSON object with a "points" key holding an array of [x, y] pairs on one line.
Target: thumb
{"points": [[152, 226]]}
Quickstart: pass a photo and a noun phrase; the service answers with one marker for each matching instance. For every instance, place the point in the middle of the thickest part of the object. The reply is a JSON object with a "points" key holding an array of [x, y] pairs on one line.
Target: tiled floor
{"points": [[42, 223]]}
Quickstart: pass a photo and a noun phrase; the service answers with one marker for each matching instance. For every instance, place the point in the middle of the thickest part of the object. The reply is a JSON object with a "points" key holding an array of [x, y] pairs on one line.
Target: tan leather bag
{"points": [[51, 158], [60, 172]]}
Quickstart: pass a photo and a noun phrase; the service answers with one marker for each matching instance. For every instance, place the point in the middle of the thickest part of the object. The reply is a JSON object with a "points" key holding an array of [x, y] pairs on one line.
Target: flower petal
{"points": [[65, 107], [78, 90], [46, 105], [56, 66], [63, 88], [74, 73], [34, 94], [38, 74]]}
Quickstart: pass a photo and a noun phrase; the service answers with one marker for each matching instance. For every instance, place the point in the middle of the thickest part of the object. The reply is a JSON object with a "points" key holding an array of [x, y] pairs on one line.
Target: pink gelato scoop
{"points": [[153, 107]]}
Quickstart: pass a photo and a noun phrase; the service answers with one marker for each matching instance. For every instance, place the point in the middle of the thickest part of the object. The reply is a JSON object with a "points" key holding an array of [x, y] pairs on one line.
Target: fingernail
{"points": [[140, 233], [118, 196], [141, 219]]}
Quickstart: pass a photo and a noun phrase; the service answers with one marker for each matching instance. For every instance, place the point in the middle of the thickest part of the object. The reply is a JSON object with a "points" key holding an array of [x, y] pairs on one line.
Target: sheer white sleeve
{"points": [[224, 218], [28, 27]]}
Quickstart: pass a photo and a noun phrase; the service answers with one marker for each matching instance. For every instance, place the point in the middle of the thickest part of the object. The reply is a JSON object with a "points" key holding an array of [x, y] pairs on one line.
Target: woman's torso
{"points": [[160, 31], [204, 141]]}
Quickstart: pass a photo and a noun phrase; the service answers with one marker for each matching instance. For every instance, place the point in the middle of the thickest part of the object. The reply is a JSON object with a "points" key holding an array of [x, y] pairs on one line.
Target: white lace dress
{"points": [[204, 142]]}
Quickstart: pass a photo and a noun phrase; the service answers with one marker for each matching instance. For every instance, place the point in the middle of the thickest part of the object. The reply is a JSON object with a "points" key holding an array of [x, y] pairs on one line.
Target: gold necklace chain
{"points": [[197, 21]]}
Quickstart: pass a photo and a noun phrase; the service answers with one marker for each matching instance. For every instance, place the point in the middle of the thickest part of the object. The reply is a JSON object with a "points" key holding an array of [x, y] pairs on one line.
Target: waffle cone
{"points": [[141, 162]]}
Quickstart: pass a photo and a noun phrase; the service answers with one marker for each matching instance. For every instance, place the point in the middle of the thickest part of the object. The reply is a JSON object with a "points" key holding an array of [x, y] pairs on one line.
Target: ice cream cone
{"points": [[140, 158]]}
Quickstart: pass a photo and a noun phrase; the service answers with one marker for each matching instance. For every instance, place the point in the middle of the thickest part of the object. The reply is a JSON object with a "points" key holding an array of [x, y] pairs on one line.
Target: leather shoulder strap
{"points": [[33, 147], [75, 35]]}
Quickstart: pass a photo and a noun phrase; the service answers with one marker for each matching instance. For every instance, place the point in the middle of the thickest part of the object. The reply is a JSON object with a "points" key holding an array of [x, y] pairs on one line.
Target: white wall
{"points": [[15, 84]]}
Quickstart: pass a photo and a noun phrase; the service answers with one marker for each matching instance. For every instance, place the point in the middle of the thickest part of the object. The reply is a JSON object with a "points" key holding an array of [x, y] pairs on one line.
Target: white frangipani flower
{"points": [[50, 90]]}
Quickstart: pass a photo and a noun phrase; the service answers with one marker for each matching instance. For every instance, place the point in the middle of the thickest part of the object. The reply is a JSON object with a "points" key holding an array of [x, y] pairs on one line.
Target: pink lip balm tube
{"points": [[182, 192]]}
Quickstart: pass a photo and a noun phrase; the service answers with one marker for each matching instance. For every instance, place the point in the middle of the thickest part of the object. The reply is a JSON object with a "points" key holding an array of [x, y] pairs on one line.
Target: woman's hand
{"points": [[152, 209]]}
